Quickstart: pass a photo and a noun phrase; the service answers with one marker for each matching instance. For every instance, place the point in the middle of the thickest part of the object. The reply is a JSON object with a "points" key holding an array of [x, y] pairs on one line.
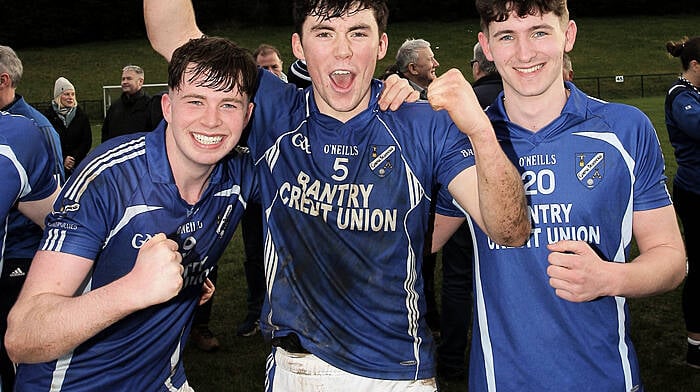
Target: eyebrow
{"points": [[202, 97], [542, 26], [325, 26]]}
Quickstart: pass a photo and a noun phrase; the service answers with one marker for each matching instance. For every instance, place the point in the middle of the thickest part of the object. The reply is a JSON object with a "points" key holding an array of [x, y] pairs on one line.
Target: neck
{"points": [[535, 112], [191, 178], [191, 188], [692, 78], [6, 98]]}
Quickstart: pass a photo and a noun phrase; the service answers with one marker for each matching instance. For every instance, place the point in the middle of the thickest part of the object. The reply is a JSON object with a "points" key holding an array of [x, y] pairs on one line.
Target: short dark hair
{"points": [[326, 9], [223, 64], [499, 10]]}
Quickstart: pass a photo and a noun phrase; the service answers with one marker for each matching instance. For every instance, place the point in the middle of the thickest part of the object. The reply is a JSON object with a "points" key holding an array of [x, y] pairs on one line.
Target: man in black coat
{"points": [[134, 111]]}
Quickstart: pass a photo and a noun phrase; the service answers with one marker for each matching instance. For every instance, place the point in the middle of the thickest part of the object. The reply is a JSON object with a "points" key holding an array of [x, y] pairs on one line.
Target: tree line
{"points": [[51, 23]]}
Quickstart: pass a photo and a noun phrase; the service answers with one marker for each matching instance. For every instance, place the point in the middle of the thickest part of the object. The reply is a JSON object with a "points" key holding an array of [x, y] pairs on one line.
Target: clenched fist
{"points": [[452, 92], [157, 273]]}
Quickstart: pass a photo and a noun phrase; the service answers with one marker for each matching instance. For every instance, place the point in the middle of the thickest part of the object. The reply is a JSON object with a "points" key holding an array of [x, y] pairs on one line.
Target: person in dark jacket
{"points": [[682, 113], [487, 82], [134, 110], [71, 123]]}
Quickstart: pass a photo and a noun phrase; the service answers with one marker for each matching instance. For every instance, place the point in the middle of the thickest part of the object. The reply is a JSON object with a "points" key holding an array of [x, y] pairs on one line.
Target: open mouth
{"points": [[342, 79]]}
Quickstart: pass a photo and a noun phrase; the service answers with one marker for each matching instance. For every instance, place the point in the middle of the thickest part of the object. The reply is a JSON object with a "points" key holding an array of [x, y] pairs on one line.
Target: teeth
{"points": [[204, 139], [531, 69], [341, 72]]}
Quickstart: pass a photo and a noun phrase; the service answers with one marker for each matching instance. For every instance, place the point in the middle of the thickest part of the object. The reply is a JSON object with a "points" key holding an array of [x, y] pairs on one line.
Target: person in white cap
{"points": [[71, 123]]}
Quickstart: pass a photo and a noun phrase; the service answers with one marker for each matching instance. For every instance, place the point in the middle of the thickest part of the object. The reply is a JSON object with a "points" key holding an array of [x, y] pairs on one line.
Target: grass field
{"points": [[606, 46]]}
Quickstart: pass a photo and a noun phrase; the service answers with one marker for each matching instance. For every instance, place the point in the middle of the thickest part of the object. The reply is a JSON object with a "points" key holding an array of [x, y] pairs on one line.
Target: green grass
{"points": [[607, 46]]}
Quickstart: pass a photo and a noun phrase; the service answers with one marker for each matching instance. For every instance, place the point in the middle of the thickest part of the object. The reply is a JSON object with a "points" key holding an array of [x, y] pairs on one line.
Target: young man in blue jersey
{"points": [[552, 315], [345, 190], [29, 187], [108, 302]]}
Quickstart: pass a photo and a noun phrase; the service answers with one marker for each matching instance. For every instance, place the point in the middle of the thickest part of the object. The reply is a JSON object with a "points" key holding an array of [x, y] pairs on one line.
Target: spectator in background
{"points": [[135, 110], [416, 62], [71, 123], [268, 57], [683, 126], [568, 69], [298, 74], [23, 235], [487, 81]]}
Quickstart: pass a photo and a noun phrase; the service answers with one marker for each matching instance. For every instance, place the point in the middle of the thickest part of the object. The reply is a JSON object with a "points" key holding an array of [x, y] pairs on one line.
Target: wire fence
{"points": [[626, 86], [608, 88]]}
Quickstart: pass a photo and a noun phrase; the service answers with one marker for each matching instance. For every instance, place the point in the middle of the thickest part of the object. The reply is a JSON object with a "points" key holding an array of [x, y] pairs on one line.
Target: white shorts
{"points": [[308, 373], [185, 388]]}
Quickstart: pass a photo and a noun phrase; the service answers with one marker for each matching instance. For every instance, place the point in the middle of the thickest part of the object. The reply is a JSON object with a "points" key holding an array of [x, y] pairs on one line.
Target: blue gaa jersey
{"points": [[25, 169], [346, 210], [24, 235], [119, 197], [585, 175], [683, 126]]}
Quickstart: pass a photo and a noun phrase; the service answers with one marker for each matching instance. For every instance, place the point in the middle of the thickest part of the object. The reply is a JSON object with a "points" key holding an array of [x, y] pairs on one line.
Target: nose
{"points": [[342, 47], [525, 51], [210, 117], [435, 63]]}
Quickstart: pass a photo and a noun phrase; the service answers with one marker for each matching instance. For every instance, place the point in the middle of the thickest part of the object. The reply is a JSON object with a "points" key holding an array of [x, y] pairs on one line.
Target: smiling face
{"points": [[528, 52], [422, 72], [204, 124], [68, 98], [341, 54]]}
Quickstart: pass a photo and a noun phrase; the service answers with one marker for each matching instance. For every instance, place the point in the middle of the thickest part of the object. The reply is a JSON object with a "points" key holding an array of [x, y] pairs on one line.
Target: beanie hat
{"points": [[62, 84]]}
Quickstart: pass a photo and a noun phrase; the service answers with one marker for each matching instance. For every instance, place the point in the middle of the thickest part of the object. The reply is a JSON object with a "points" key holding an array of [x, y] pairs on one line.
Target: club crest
{"points": [[590, 168], [381, 159]]}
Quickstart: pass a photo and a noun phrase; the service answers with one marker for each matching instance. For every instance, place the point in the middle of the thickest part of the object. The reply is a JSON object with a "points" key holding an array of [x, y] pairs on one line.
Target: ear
{"points": [[297, 47], [383, 46], [694, 64], [248, 114], [5, 80], [165, 105], [570, 34], [484, 43]]}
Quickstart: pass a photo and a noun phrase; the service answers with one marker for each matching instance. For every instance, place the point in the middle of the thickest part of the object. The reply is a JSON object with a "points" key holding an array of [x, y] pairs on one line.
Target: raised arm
{"points": [[51, 317], [492, 192], [169, 24]]}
